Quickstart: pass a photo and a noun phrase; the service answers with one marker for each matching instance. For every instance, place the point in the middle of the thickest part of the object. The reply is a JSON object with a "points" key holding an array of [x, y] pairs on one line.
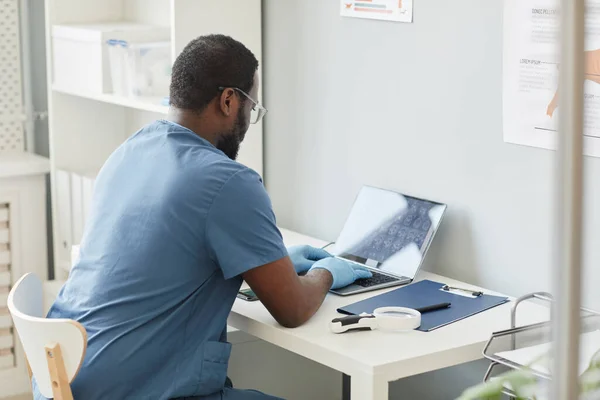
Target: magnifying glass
{"points": [[391, 319]]}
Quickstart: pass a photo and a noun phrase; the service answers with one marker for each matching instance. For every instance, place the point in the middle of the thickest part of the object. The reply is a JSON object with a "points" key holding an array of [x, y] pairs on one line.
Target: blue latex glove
{"points": [[343, 272], [303, 257]]}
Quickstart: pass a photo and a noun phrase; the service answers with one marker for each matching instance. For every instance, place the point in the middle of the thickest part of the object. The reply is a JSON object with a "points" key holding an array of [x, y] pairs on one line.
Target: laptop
{"points": [[388, 233]]}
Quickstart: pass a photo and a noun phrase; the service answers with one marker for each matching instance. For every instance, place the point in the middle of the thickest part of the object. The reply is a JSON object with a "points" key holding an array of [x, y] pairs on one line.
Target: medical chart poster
{"points": [[388, 10], [531, 101]]}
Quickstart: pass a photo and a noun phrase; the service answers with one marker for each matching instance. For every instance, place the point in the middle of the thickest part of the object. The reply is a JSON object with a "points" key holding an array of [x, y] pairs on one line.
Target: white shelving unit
{"points": [[86, 127]]}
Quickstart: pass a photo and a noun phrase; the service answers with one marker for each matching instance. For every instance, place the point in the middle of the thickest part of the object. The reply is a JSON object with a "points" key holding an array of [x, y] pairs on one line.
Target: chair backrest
{"points": [[25, 303]]}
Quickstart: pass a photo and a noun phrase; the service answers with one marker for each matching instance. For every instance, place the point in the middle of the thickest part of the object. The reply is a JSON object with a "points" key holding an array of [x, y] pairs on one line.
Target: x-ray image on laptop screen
{"points": [[389, 231]]}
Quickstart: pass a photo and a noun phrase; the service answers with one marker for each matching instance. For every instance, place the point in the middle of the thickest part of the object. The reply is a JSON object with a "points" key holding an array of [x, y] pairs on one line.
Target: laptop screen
{"points": [[389, 231]]}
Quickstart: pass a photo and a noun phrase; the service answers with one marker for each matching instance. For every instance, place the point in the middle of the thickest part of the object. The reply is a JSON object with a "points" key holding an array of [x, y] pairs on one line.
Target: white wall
{"points": [[415, 108], [37, 35], [36, 28]]}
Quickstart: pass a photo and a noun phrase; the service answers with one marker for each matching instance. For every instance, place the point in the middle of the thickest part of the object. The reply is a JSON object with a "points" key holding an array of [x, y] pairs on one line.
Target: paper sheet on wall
{"points": [[389, 10], [531, 72]]}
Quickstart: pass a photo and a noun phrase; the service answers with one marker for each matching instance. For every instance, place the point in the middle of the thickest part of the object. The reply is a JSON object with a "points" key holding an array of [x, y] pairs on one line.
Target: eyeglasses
{"points": [[258, 111]]}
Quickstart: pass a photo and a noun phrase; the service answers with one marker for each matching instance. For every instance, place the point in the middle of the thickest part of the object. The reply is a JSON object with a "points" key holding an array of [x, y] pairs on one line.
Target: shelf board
{"points": [[151, 104], [19, 163]]}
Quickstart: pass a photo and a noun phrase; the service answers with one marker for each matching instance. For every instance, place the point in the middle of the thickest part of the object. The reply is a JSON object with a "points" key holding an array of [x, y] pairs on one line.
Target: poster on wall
{"points": [[388, 10], [531, 101]]}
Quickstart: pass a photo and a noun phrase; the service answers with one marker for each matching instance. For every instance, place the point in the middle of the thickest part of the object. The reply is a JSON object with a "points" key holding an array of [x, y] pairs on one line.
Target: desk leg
{"points": [[345, 387], [368, 387]]}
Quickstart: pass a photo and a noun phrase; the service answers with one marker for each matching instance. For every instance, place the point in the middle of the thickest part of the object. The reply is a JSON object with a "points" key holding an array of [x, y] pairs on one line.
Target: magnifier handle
{"points": [[364, 322]]}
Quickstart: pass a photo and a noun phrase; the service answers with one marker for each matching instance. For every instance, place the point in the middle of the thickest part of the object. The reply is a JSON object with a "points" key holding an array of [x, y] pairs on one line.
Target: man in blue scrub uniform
{"points": [[176, 225]]}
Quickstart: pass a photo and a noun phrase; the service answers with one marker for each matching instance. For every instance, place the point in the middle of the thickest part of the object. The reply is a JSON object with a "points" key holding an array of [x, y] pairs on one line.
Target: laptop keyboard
{"points": [[377, 279]]}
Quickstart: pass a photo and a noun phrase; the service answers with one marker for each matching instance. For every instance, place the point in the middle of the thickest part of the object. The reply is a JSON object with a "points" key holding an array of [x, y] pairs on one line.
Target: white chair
{"points": [[54, 348]]}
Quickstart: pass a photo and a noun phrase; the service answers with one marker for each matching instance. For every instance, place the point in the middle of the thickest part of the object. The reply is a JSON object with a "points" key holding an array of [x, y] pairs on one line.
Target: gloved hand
{"points": [[343, 272], [303, 257]]}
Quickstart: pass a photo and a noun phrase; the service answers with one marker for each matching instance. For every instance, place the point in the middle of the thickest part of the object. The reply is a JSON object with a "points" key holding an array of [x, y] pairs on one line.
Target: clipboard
{"points": [[426, 293]]}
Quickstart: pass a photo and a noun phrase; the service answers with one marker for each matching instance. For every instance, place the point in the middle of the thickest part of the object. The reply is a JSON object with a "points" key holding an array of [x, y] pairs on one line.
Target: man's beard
{"points": [[229, 143]]}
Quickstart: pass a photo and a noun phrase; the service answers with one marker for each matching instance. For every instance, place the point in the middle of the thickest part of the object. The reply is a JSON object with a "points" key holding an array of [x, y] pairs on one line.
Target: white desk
{"points": [[373, 359]]}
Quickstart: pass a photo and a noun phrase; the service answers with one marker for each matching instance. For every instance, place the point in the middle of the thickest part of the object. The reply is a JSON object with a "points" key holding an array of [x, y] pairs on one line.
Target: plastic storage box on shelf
{"points": [[80, 53], [116, 57], [140, 69]]}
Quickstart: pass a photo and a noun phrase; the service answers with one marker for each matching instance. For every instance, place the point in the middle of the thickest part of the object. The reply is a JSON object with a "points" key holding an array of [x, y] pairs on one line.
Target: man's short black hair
{"points": [[207, 63]]}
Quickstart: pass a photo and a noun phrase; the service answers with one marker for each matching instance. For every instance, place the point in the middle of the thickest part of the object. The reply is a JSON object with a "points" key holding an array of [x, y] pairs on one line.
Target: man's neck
{"points": [[197, 123]]}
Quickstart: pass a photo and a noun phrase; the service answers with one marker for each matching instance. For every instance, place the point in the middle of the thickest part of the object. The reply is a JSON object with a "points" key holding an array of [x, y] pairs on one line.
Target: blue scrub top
{"points": [[173, 224]]}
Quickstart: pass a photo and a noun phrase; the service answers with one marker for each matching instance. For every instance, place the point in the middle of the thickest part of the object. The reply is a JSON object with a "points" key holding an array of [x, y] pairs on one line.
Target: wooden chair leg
{"points": [[58, 374], [28, 369]]}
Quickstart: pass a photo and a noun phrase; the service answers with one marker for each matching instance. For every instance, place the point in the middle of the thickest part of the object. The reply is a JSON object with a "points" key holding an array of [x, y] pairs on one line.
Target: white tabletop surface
{"points": [[388, 355]]}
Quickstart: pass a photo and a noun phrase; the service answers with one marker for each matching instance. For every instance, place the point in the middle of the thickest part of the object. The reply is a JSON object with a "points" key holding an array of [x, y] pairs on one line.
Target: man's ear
{"points": [[227, 100]]}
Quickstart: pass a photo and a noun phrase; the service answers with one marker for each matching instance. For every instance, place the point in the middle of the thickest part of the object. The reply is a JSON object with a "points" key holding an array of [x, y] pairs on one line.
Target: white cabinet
{"points": [[87, 125], [23, 248]]}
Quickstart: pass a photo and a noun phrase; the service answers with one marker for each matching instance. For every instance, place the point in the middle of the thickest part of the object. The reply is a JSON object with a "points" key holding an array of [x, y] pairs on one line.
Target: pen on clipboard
{"points": [[433, 307]]}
